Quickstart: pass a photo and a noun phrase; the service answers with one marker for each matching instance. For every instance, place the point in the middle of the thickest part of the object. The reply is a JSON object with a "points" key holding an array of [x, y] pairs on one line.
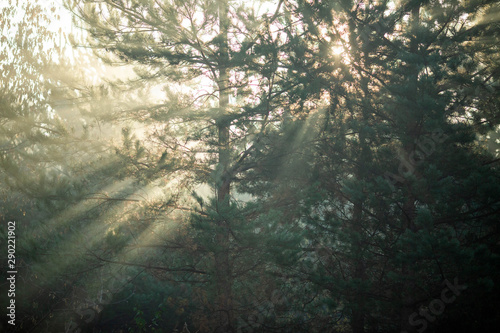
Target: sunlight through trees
{"points": [[250, 166]]}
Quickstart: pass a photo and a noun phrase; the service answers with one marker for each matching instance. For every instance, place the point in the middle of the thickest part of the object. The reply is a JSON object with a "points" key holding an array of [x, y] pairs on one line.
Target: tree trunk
{"points": [[358, 298], [358, 313], [223, 271], [407, 298]]}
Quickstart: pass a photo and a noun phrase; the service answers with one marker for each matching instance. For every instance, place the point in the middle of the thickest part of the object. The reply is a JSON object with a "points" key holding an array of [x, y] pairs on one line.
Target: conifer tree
{"points": [[368, 185], [417, 84], [219, 134]]}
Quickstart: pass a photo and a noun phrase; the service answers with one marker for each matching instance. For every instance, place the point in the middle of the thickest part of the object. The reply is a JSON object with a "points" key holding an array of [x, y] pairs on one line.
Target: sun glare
{"points": [[337, 50]]}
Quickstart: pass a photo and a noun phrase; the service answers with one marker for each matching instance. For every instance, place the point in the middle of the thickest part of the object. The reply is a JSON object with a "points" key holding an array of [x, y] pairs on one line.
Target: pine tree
{"points": [[221, 135], [404, 110], [368, 187]]}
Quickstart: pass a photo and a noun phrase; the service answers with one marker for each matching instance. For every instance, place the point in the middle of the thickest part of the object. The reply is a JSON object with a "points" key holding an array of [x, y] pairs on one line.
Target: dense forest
{"points": [[238, 166]]}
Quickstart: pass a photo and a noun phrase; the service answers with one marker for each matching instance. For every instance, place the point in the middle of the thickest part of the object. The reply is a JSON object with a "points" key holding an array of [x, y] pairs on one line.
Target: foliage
{"points": [[302, 166]]}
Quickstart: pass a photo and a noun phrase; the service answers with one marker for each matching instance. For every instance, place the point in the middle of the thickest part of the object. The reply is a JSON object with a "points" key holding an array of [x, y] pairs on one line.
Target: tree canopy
{"points": [[259, 166]]}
